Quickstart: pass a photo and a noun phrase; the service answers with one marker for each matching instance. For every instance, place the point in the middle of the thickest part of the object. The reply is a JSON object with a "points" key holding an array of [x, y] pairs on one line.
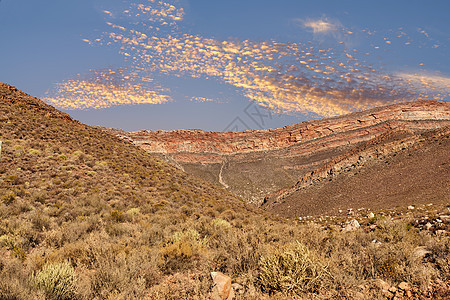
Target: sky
{"points": [[223, 65]]}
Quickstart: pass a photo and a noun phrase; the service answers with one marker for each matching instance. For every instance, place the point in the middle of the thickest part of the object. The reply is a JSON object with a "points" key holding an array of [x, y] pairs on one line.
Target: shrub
{"points": [[388, 268], [117, 215], [182, 249], [34, 152], [8, 198], [221, 224], [133, 212], [56, 280], [19, 253], [184, 244], [291, 271]]}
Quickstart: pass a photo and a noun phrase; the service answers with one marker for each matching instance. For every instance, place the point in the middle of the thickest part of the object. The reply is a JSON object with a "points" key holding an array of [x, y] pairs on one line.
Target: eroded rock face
{"points": [[197, 141], [255, 163]]}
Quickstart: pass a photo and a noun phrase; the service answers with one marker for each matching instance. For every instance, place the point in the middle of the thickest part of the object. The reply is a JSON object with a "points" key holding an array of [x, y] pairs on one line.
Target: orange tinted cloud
{"points": [[287, 78], [102, 89]]}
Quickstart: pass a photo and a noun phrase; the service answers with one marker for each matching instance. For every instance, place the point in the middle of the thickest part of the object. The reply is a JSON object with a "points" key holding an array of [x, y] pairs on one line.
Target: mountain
{"points": [[256, 163], [87, 215]]}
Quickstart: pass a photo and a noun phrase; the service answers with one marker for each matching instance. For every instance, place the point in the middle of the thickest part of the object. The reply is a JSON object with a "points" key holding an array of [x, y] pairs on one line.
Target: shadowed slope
{"points": [[397, 169]]}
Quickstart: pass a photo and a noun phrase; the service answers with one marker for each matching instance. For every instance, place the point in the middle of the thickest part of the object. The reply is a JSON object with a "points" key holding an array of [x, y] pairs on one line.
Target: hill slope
{"points": [[399, 168]]}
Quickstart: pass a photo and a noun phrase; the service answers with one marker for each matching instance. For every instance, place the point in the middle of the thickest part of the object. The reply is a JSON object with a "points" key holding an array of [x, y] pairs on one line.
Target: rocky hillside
{"points": [[397, 169], [253, 164]]}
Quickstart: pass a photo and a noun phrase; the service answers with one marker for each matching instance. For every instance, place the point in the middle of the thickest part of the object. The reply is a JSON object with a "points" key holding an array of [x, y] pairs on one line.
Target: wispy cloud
{"points": [[201, 99], [428, 81], [322, 25]]}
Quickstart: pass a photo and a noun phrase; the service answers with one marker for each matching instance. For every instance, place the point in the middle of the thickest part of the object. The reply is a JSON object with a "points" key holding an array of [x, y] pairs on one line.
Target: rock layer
{"points": [[223, 143]]}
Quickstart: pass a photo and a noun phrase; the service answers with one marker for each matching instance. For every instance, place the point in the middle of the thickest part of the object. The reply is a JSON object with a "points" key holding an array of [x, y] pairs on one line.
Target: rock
{"points": [[382, 285], [370, 215], [222, 289], [404, 286], [411, 207], [420, 252], [199, 148], [428, 226], [393, 290], [352, 226]]}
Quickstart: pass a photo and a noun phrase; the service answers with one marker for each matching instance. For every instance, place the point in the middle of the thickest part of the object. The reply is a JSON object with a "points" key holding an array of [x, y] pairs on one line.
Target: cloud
{"points": [[102, 89], [285, 77], [201, 99], [428, 81], [321, 26]]}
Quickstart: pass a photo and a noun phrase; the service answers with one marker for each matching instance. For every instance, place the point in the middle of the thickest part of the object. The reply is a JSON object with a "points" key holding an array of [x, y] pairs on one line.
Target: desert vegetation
{"points": [[84, 215]]}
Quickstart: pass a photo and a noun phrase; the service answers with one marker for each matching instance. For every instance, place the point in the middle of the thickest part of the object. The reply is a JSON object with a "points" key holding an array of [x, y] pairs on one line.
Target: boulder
{"points": [[222, 289], [352, 226], [420, 252]]}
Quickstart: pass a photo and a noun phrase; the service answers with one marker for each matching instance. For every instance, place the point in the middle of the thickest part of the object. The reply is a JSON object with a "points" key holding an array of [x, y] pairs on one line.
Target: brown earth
{"points": [[255, 163]]}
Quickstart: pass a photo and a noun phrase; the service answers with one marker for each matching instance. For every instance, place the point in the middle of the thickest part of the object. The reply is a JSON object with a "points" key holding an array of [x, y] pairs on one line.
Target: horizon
{"points": [[228, 66]]}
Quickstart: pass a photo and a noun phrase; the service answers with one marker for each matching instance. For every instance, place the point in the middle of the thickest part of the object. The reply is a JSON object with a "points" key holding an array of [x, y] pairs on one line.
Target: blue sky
{"points": [[223, 65]]}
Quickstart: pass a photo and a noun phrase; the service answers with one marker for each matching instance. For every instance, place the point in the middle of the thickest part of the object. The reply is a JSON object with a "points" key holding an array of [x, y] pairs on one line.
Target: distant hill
{"points": [[256, 163]]}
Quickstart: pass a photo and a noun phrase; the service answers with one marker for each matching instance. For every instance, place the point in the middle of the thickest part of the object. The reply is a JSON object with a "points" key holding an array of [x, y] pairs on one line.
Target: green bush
{"points": [[292, 270], [56, 280]]}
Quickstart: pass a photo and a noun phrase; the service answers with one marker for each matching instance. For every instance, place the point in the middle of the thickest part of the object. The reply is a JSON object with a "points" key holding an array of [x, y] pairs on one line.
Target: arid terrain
{"points": [[264, 164], [86, 214]]}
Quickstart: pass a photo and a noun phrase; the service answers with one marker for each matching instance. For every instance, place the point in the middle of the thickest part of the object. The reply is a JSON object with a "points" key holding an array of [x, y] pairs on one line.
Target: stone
{"points": [[352, 226], [411, 207], [222, 289], [382, 285], [420, 252], [404, 286], [371, 215], [428, 226]]}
